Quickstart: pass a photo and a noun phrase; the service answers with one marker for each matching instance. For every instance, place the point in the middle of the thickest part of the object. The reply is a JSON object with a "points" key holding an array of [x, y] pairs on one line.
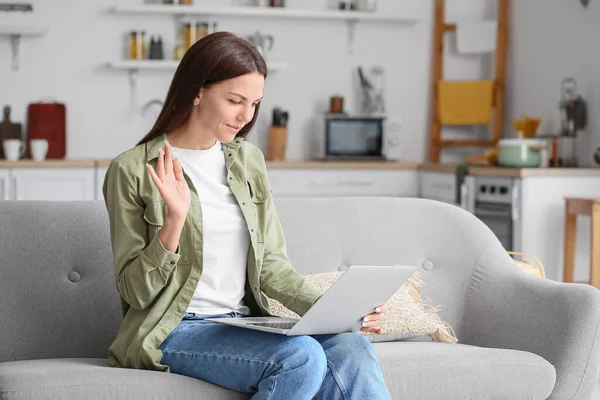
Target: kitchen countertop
{"points": [[316, 164], [301, 164], [48, 164]]}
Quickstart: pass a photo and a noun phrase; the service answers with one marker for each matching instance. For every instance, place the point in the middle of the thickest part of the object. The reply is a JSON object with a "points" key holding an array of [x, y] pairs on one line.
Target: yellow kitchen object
{"points": [[526, 126], [492, 155], [465, 102]]}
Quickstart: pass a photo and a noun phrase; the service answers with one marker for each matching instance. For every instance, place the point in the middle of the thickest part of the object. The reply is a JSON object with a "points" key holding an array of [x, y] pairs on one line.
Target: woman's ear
{"points": [[198, 98]]}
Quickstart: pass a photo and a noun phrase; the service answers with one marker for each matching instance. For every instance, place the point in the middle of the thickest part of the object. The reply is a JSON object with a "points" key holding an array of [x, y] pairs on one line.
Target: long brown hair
{"points": [[214, 58]]}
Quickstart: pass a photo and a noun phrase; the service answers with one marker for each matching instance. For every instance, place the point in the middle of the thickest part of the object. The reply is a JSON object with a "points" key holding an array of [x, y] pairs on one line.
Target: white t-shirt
{"points": [[226, 237]]}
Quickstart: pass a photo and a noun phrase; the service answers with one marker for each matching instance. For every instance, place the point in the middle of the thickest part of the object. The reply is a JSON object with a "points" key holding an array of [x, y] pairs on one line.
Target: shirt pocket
{"points": [[260, 189], [154, 215], [260, 192]]}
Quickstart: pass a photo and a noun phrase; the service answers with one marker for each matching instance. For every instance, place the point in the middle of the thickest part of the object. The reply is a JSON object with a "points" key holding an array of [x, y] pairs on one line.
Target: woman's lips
{"points": [[234, 129]]}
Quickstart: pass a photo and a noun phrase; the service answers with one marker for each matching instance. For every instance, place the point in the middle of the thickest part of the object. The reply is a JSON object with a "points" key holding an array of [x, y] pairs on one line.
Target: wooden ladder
{"points": [[440, 28]]}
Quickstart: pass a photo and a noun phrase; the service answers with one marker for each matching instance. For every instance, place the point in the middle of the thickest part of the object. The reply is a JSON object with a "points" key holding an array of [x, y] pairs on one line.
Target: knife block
{"points": [[277, 141]]}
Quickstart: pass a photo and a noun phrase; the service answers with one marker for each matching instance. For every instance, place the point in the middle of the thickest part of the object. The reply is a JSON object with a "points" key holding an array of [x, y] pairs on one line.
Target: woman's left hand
{"points": [[370, 322]]}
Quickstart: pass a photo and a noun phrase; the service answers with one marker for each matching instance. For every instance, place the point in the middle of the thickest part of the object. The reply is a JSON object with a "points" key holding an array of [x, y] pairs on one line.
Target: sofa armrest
{"points": [[508, 308]]}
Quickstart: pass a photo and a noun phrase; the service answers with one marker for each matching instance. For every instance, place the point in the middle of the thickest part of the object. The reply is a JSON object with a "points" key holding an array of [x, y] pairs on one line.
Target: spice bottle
{"points": [[137, 45]]}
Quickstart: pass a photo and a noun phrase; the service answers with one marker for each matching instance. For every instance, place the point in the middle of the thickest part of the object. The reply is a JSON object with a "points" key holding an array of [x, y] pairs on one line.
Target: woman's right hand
{"points": [[171, 184]]}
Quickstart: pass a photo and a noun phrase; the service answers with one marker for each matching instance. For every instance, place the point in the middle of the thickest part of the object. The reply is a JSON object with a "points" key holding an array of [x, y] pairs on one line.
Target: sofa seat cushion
{"points": [[413, 370], [429, 370], [90, 378]]}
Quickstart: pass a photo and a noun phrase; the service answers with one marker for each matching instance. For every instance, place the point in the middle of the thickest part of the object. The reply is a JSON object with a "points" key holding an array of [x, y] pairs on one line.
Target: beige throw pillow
{"points": [[407, 315]]}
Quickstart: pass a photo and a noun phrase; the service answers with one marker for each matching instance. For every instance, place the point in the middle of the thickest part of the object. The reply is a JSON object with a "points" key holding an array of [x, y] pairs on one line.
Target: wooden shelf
{"points": [[170, 65], [266, 12]]}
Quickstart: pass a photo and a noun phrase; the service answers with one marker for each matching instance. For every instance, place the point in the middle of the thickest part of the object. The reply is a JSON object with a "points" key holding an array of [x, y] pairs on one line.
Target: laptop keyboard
{"points": [[278, 325]]}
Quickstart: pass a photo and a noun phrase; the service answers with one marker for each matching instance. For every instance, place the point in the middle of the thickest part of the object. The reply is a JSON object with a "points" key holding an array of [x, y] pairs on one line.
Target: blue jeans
{"points": [[273, 366]]}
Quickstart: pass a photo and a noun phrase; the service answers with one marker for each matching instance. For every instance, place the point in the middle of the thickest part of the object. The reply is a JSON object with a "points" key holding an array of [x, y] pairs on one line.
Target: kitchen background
{"points": [[73, 62], [69, 64]]}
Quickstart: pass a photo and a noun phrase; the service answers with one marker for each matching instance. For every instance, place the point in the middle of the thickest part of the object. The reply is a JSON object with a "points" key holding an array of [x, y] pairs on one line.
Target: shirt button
{"points": [[229, 154], [230, 178], [172, 262]]}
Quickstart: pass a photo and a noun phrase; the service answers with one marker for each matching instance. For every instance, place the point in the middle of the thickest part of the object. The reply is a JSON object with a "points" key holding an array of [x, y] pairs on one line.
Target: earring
{"points": [[196, 102]]}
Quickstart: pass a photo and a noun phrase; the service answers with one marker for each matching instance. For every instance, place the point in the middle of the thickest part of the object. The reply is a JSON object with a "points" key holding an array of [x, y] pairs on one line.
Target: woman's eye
{"points": [[235, 102]]}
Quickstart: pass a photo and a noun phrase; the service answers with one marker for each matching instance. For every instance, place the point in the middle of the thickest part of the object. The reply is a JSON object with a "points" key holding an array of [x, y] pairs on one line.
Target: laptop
{"points": [[355, 294]]}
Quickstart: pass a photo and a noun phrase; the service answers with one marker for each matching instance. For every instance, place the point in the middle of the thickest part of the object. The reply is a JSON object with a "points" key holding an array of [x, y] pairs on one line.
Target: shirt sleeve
{"points": [[141, 266]]}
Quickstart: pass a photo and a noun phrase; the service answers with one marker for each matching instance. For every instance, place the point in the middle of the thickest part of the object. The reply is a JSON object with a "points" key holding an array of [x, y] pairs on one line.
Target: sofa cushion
{"points": [[429, 370], [407, 314], [92, 378], [414, 370]]}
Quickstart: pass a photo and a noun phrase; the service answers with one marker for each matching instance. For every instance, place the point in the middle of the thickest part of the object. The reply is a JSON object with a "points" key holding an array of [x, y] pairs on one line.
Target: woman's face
{"points": [[225, 107]]}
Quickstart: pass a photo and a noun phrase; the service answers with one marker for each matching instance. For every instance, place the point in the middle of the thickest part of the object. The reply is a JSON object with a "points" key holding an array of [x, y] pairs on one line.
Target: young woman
{"points": [[195, 234]]}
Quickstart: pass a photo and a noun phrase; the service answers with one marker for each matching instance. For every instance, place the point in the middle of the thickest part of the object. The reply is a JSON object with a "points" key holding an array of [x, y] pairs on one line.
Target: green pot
{"points": [[520, 153]]}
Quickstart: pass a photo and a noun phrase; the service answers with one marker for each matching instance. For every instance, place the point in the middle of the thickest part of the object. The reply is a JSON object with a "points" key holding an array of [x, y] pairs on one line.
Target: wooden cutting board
{"points": [[48, 121], [8, 130]]}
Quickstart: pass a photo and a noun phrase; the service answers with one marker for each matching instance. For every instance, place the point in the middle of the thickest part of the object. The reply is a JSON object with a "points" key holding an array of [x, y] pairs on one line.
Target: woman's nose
{"points": [[247, 115]]}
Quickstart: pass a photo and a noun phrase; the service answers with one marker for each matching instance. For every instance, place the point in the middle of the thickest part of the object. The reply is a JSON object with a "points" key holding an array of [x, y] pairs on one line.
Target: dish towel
{"points": [[465, 102], [476, 37]]}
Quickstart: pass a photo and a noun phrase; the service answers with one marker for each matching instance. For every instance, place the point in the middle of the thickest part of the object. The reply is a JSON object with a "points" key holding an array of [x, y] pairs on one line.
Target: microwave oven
{"points": [[360, 138]]}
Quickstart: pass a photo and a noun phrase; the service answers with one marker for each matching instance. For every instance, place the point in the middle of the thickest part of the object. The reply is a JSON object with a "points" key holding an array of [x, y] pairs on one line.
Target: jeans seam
{"points": [[232, 356], [338, 380]]}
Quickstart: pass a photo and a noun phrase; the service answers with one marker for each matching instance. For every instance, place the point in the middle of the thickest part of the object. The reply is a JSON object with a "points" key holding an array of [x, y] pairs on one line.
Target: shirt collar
{"points": [[154, 145]]}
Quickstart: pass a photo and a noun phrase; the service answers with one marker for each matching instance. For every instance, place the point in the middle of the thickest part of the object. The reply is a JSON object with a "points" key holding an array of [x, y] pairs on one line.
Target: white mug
{"points": [[38, 149], [13, 149]]}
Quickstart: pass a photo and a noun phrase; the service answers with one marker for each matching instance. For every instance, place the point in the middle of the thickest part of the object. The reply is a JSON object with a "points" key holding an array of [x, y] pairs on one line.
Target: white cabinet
{"points": [[53, 183], [5, 192], [343, 182], [438, 186], [86, 183], [100, 173]]}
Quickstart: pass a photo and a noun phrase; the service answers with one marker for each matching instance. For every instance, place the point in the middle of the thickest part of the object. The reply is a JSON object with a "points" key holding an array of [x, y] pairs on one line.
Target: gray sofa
{"points": [[521, 337]]}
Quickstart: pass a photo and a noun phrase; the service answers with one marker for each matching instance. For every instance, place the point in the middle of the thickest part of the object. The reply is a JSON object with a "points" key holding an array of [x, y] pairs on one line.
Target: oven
{"points": [[496, 202]]}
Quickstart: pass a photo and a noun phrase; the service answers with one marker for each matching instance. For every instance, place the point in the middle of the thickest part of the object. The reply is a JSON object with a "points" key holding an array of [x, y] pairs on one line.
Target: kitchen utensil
{"points": [[278, 135], [520, 153], [526, 127], [336, 105], [573, 108], [368, 96], [48, 121], [8, 129], [38, 149], [262, 42], [378, 83], [13, 149]]}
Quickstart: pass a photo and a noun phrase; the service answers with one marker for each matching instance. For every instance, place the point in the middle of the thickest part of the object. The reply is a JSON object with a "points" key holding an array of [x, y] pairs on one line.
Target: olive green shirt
{"points": [[156, 285]]}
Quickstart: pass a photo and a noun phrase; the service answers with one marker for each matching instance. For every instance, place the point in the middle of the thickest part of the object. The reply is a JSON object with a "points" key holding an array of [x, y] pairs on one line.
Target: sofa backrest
{"points": [[57, 291]]}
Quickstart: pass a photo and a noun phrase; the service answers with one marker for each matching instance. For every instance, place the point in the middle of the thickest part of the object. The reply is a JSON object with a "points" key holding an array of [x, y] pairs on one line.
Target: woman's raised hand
{"points": [[171, 184]]}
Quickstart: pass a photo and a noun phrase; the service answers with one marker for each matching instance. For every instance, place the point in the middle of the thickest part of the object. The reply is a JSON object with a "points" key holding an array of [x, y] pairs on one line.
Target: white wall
{"points": [[67, 64]]}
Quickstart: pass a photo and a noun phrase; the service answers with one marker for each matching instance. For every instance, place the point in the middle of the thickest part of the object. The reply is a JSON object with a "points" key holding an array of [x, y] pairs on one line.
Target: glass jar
{"points": [[190, 34], [137, 45]]}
